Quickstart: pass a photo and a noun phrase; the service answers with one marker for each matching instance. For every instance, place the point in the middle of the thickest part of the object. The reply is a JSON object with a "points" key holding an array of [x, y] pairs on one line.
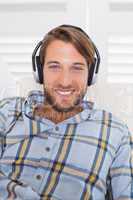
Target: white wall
{"points": [[25, 22], [111, 26]]}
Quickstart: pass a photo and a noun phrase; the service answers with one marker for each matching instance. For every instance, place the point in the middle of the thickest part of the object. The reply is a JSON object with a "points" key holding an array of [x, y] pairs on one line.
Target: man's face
{"points": [[65, 76]]}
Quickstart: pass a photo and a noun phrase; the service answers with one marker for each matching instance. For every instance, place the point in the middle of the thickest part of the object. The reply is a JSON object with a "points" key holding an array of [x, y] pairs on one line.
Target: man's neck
{"points": [[50, 113]]}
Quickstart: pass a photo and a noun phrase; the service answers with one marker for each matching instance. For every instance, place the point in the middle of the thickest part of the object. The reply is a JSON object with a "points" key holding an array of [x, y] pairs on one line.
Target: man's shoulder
{"points": [[11, 103], [104, 116], [10, 108]]}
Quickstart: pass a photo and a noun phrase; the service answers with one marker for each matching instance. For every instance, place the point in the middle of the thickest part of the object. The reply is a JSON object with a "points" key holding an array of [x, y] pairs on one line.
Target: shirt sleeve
{"points": [[10, 109], [4, 109], [4, 104], [121, 171]]}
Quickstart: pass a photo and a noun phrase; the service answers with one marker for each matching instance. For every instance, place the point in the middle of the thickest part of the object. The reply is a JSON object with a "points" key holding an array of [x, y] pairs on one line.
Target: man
{"points": [[55, 145]]}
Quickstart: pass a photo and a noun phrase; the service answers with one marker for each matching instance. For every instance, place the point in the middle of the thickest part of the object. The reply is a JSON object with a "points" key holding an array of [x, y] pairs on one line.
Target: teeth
{"points": [[64, 93]]}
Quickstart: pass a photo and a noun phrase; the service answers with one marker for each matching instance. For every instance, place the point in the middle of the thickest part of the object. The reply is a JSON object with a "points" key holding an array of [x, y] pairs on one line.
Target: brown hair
{"points": [[71, 34]]}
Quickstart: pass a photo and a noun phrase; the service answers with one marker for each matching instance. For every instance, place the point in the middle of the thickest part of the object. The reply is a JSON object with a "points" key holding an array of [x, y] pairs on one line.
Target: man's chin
{"points": [[63, 105], [63, 109]]}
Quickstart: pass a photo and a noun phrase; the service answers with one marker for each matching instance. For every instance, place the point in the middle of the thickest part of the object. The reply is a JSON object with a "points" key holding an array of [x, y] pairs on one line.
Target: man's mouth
{"points": [[64, 92]]}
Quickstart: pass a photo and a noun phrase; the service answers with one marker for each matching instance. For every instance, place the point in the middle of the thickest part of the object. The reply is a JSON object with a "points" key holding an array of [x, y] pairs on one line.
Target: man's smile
{"points": [[64, 92]]}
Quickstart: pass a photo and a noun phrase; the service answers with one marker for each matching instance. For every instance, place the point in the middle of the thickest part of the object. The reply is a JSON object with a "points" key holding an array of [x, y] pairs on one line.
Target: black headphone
{"points": [[38, 68]]}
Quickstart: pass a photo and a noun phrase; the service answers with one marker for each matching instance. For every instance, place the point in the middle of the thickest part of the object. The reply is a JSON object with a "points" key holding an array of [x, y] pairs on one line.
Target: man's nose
{"points": [[65, 78]]}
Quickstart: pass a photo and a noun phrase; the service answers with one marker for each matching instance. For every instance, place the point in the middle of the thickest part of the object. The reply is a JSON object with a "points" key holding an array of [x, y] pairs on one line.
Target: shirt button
{"points": [[56, 128], [38, 177], [47, 148]]}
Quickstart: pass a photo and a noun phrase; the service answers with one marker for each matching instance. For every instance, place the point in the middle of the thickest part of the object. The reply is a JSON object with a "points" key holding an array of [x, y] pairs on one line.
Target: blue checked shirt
{"points": [[71, 160]]}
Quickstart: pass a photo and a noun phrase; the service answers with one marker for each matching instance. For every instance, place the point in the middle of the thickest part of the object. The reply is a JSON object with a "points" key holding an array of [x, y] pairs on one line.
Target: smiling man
{"points": [[53, 144], [65, 81]]}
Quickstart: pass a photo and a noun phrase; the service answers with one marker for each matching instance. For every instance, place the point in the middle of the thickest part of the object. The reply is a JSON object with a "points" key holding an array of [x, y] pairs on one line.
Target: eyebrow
{"points": [[79, 63], [51, 62]]}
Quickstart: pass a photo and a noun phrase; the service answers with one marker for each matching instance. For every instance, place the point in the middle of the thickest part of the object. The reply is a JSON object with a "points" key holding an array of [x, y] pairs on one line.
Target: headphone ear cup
{"points": [[91, 72], [39, 70]]}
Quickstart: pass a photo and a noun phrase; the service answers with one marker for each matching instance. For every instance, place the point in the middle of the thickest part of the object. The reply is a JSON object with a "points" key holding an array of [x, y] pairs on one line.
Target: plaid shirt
{"points": [[71, 160]]}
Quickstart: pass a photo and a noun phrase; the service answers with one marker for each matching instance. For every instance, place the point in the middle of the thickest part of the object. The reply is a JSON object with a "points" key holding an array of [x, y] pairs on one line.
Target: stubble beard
{"points": [[56, 113], [50, 100]]}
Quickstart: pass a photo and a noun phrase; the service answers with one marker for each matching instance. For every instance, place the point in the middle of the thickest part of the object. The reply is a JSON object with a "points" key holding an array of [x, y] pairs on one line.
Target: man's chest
{"points": [[68, 166]]}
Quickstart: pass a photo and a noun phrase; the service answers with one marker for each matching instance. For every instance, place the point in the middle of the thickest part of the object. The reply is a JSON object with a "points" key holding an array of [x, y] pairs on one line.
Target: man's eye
{"points": [[77, 68], [53, 67]]}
